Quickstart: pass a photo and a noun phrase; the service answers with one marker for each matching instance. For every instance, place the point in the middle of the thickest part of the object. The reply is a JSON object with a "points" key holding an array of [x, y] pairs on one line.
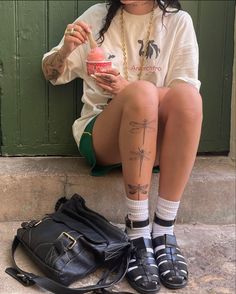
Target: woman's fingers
{"points": [[110, 83], [71, 34], [108, 78], [77, 32], [84, 26], [111, 71], [75, 35], [75, 40], [105, 87]]}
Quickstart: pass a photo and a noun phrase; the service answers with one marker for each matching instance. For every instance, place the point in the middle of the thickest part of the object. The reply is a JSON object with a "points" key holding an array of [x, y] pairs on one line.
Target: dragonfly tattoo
{"points": [[140, 155], [140, 189], [144, 126]]}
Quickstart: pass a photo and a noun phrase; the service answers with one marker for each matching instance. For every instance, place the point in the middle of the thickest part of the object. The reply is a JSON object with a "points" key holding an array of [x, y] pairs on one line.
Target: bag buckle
{"points": [[73, 241], [30, 224], [37, 223], [24, 280]]}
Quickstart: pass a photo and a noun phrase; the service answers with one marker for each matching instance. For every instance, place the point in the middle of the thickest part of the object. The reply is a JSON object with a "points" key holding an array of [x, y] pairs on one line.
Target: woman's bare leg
{"points": [[130, 137], [180, 116], [126, 132]]}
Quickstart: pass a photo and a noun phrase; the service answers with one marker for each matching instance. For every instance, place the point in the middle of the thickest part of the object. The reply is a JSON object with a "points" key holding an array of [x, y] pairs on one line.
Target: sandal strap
{"points": [[171, 263], [136, 224], [163, 223], [142, 243], [169, 240], [142, 272], [168, 265]]}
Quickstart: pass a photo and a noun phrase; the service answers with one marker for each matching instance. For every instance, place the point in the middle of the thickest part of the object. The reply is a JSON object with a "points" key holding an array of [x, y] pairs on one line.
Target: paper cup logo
{"points": [[97, 66]]}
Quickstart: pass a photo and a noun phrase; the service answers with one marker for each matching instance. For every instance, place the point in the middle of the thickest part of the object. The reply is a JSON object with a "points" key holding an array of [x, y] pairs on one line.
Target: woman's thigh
{"points": [[107, 126], [106, 134], [182, 101]]}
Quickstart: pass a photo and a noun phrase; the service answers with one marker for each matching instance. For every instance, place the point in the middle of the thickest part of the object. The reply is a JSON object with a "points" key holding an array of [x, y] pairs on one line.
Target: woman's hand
{"points": [[111, 81], [75, 34]]}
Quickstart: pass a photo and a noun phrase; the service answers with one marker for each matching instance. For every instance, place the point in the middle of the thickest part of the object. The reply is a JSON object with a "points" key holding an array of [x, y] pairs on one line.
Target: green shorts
{"points": [[87, 151]]}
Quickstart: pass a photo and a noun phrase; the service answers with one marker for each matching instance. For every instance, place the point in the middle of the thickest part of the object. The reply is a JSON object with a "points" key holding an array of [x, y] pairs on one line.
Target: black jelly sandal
{"points": [[171, 264], [142, 273]]}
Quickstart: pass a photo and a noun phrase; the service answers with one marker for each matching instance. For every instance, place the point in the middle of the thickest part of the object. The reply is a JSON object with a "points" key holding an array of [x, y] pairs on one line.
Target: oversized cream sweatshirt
{"points": [[172, 55]]}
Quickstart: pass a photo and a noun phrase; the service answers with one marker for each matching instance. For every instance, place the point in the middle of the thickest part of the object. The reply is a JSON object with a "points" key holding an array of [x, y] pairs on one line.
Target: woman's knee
{"points": [[140, 96], [185, 102]]}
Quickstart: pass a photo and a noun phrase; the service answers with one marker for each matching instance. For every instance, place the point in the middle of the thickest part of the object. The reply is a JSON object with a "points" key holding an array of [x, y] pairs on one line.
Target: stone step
{"points": [[209, 250], [29, 188]]}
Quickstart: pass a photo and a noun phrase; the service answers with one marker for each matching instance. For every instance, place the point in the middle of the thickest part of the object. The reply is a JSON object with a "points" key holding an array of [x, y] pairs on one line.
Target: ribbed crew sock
{"points": [[137, 211], [166, 211]]}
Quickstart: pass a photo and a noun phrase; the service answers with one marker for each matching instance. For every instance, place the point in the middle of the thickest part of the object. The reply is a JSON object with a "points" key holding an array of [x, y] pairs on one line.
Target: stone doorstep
{"points": [[30, 187], [209, 250]]}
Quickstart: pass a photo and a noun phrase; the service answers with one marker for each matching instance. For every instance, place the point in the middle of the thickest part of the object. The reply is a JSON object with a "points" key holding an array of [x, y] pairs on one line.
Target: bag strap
{"points": [[29, 279]]}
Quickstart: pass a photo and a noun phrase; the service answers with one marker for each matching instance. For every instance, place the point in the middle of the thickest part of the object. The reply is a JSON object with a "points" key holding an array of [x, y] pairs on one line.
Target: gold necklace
{"points": [[124, 49]]}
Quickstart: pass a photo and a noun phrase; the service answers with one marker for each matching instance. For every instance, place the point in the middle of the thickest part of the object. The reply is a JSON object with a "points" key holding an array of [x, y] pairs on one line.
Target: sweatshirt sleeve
{"points": [[184, 58], [75, 63], [73, 68]]}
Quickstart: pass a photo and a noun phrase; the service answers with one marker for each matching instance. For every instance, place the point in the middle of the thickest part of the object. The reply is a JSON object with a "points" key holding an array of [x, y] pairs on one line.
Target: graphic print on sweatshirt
{"points": [[151, 66], [152, 51]]}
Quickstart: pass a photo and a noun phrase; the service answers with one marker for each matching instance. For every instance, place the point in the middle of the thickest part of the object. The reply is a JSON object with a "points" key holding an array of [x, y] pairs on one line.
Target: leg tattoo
{"points": [[140, 155], [138, 189], [143, 126]]}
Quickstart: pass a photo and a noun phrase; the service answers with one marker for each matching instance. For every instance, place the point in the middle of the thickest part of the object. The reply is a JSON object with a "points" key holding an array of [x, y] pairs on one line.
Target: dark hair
{"points": [[114, 5]]}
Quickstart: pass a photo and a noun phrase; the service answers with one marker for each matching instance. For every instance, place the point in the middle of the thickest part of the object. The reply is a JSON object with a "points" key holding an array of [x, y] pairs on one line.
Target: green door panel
{"points": [[8, 78], [36, 117], [216, 72], [214, 24]]}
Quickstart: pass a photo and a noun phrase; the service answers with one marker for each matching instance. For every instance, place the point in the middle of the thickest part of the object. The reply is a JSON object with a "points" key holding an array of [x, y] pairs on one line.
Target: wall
{"points": [[36, 117], [233, 104]]}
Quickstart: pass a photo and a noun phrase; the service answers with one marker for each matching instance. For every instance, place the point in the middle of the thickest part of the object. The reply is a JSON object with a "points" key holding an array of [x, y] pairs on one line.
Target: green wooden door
{"points": [[214, 24], [36, 118]]}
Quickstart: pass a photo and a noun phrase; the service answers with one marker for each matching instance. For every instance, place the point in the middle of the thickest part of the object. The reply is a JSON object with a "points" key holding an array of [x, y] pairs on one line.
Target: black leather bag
{"points": [[70, 244]]}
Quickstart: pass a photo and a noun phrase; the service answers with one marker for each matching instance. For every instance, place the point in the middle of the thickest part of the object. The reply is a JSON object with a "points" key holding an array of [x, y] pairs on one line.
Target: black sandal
{"points": [[171, 264], [142, 273]]}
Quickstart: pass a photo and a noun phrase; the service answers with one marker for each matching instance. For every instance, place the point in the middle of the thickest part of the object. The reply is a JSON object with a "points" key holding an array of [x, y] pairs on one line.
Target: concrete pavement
{"points": [[210, 253], [29, 188]]}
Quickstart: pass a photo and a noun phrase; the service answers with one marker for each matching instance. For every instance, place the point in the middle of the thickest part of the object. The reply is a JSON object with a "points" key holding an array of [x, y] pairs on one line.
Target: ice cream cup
{"points": [[97, 66]]}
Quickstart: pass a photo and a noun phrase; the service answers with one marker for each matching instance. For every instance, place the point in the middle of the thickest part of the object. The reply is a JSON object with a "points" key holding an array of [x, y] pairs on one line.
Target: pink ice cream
{"points": [[96, 54], [96, 61]]}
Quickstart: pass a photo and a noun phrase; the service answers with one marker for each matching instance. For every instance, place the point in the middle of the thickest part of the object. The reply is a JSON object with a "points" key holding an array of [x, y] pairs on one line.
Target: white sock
{"points": [[166, 210], [138, 211]]}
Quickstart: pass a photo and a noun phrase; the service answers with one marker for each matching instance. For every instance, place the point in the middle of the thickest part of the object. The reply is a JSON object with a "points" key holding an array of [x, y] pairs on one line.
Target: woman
{"points": [[144, 112]]}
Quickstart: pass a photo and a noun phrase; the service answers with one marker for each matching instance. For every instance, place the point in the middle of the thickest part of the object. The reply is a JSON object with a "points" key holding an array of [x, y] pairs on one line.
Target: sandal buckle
{"points": [[136, 224], [129, 222]]}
